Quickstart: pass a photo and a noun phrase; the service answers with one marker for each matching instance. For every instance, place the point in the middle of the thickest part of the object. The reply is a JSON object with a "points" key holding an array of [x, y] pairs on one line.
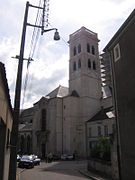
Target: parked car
{"points": [[18, 157], [56, 157], [63, 156], [66, 157], [70, 157], [35, 159], [26, 162]]}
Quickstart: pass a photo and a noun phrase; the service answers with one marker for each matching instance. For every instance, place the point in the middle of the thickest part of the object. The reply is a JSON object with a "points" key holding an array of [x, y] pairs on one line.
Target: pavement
{"points": [[89, 174], [93, 176]]}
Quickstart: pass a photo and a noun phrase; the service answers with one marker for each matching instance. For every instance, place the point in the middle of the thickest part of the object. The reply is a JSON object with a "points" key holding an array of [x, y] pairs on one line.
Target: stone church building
{"points": [[57, 122]]}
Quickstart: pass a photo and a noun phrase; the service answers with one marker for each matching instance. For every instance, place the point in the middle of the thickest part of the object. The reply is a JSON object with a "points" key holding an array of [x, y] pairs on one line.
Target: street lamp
{"points": [[14, 133]]}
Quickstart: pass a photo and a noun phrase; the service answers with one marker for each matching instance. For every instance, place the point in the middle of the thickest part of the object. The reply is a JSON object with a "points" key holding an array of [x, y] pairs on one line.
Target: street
{"points": [[63, 170]]}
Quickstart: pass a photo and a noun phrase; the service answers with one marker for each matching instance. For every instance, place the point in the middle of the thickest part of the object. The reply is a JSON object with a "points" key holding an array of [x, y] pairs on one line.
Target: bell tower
{"points": [[84, 99], [84, 65]]}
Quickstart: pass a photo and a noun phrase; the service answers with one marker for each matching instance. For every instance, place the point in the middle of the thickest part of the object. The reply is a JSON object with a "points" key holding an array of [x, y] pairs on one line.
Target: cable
{"points": [[35, 28], [34, 40]]}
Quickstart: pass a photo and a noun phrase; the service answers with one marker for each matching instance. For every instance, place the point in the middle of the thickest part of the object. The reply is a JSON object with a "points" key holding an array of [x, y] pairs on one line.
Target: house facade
{"points": [[101, 125], [120, 51], [6, 120]]}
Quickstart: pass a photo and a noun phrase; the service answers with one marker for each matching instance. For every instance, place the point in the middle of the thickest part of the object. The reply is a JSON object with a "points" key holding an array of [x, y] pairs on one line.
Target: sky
{"points": [[50, 67]]}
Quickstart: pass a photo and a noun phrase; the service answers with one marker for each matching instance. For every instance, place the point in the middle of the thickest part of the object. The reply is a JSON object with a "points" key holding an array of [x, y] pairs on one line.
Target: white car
{"points": [[63, 156], [18, 157], [70, 157], [66, 157], [35, 159]]}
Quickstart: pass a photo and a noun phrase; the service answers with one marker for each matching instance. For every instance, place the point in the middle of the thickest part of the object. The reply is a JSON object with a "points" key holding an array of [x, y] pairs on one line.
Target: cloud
{"points": [[50, 66], [41, 87]]}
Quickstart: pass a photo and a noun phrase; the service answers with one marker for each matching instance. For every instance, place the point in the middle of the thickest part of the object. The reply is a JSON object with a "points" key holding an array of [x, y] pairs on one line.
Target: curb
{"points": [[88, 175], [91, 175]]}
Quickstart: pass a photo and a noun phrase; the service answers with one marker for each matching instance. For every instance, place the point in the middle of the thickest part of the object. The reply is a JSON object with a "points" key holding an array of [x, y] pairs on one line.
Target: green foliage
{"points": [[102, 150]]}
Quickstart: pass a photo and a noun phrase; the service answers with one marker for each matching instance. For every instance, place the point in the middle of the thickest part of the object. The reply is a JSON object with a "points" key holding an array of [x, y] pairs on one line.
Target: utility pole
{"points": [[16, 112], [14, 133]]}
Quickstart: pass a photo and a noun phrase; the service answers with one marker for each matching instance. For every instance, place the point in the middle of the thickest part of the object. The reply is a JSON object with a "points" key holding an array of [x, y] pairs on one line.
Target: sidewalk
{"points": [[92, 175]]}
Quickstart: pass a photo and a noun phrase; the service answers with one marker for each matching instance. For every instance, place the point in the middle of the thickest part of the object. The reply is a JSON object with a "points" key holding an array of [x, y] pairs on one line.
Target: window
{"points": [[79, 48], [117, 52], [43, 119], [74, 93], [28, 144], [74, 51], [79, 63], [94, 65], [90, 132], [113, 128], [74, 66], [93, 50], [99, 131], [88, 48], [89, 63], [106, 130]]}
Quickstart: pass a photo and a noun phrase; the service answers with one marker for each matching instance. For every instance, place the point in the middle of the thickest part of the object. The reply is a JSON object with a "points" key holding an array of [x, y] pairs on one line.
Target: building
{"points": [[101, 125], [120, 51], [59, 121], [6, 120], [25, 131]]}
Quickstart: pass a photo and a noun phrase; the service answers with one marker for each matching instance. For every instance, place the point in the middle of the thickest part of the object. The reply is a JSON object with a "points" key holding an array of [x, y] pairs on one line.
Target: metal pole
{"points": [[14, 133], [116, 113]]}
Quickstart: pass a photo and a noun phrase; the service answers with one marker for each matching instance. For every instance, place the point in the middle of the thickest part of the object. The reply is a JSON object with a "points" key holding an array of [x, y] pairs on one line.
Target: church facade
{"points": [[59, 120]]}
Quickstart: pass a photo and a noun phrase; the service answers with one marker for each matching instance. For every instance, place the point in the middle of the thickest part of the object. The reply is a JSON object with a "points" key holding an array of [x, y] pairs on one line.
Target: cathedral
{"points": [[57, 122]]}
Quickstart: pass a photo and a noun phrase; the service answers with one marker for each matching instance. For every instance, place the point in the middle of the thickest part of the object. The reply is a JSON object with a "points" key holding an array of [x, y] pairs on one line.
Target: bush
{"points": [[102, 150]]}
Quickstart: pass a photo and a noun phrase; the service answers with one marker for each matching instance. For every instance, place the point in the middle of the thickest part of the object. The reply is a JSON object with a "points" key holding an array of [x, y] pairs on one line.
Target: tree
{"points": [[102, 149]]}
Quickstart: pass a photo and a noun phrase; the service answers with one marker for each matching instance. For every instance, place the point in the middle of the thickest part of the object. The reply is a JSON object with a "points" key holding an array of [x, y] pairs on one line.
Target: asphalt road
{"points": [[62, 170]]}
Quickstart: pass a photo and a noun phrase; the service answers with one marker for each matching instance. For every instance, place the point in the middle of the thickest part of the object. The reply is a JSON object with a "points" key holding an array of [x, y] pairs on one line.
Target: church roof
{"points": [[27, 115], [60, 91], [102, 114], [25, 127]]}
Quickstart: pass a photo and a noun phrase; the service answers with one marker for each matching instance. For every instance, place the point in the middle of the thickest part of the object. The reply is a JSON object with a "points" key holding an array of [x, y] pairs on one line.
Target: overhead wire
{"points": [[34, 40]]}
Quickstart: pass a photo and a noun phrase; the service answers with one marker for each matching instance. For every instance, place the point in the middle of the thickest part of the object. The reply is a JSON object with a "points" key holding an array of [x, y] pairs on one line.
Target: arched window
{"points": [[74, 93], [28, 144], [79, 63], [22, 145], [43, 119], [94, 65], [88, 48], [74, 50], [74, 66], [79, 48], [93, 50], [89, 63]]}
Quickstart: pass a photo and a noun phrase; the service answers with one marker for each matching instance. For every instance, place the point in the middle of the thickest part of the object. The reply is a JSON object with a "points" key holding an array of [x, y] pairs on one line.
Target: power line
{"points": [[34, 40]]}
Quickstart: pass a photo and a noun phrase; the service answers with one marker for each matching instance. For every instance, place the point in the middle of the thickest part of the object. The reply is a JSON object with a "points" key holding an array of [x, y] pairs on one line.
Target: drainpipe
{"points": [[86, 139], [62, 127], [115, 110]]}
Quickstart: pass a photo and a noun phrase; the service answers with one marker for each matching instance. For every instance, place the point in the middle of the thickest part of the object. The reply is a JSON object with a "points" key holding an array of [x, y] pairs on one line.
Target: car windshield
{"points": [[26, 157]]}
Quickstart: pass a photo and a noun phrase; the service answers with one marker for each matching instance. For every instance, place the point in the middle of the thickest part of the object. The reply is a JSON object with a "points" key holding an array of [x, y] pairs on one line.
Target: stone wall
{"points": [[100, 166]]}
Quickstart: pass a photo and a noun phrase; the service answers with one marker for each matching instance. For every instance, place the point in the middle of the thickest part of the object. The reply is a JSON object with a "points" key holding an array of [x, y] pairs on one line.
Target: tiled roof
{"points": [[101, 115], [27, 115], [25, 127], [5, 83], [60, 91]]}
